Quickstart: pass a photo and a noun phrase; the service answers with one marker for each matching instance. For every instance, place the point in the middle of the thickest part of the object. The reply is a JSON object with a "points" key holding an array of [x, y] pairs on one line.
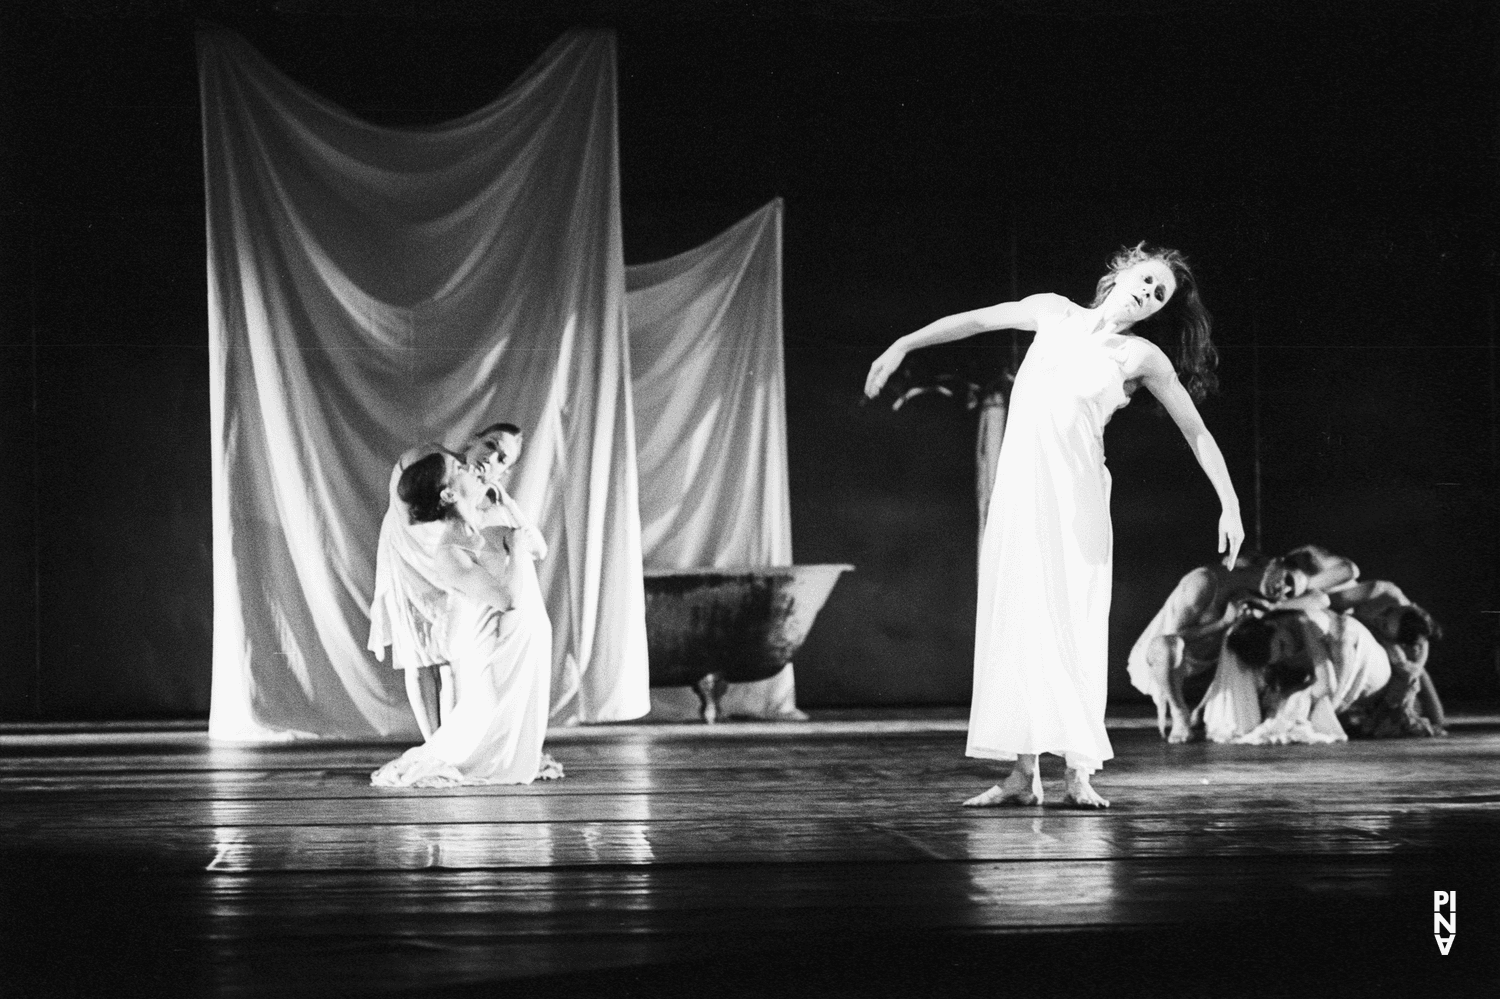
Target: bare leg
{"points": [[1170, 669], [422, 703], [710, 688], [1079, 793], [1432, 706], [447, 692], [1022, 787], [1184, 722]]}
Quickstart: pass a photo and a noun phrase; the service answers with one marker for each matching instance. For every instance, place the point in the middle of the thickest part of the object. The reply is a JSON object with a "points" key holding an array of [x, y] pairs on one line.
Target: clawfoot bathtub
{"points": [[707, 628]]}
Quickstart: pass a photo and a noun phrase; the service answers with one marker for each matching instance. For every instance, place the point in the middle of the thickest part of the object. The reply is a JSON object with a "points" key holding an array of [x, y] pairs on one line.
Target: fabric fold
{"points": [[372, 288], [708, 377]]}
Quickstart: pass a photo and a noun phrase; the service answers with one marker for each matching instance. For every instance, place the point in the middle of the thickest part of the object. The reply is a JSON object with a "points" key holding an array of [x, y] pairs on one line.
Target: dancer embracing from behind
{"points": [[469, 593], [1040, 642]]}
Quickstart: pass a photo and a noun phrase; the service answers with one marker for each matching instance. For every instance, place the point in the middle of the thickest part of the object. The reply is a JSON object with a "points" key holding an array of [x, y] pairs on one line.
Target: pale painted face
{"points": [[493, 454], [468, 491], [1140, 291], [1416, 652], [1281, 582]]}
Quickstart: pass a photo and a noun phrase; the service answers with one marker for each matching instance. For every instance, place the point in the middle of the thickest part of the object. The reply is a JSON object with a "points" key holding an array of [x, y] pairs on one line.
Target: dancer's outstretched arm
{"points": [[1022, 315], [1386, 593], [1312, 600], [1158, 375], [1324, 570]]}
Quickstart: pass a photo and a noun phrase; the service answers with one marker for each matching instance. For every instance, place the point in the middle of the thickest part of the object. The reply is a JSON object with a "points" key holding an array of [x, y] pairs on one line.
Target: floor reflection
{"points": [[283, 867]]}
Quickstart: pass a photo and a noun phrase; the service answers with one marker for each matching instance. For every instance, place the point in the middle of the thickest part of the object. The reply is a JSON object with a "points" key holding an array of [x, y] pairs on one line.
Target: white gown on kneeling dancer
{"points": [[502, 664], [1350, 664], [1040, 643]]}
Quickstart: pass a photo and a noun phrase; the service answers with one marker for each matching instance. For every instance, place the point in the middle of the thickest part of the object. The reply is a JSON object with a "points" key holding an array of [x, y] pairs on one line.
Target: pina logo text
{"points": [[1444, 918]]}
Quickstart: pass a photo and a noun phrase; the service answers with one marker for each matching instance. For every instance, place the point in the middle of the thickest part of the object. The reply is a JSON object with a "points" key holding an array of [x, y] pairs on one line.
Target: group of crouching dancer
{"points": [[1292, 649]]}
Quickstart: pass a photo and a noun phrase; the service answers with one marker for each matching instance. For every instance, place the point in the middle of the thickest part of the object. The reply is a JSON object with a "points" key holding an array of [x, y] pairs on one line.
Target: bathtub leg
{"points": [[710, 689]]}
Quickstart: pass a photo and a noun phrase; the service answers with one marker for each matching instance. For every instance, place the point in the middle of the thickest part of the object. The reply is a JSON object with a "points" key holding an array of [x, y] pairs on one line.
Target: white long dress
{"points": [[502, 664], [1040, 643]]}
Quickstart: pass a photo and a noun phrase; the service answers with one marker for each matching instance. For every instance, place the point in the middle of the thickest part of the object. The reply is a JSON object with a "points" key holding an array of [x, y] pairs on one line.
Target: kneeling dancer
{"points": [[491, 625]]}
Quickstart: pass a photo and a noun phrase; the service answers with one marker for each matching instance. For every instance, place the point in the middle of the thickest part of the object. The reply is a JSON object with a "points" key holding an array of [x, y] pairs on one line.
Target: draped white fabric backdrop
{"points": [[709, 383], [709, 380], [370, 288]]}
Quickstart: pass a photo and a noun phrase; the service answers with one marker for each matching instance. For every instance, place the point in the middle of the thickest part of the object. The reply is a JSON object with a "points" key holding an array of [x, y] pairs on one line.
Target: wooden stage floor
{"points": [[745, 860]]}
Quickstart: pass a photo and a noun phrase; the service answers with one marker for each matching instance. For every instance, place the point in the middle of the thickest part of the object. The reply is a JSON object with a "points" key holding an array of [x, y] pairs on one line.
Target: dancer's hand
{"points": [[530, 534], [880, 372], [1231, 535]]}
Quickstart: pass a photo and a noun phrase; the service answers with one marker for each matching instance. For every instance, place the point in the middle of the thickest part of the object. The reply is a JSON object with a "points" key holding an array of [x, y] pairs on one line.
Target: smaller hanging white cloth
{"points": [[709, 386]]}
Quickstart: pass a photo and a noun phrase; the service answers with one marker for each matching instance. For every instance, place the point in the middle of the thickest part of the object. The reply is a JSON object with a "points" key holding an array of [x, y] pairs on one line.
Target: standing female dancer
{"points": [[1040, 670]]}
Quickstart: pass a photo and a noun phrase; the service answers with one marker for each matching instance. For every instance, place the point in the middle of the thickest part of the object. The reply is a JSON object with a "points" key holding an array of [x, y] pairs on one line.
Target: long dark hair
{"points": [[1413, 623], [421, 488], [496, 428], [1183, 317], [1251, 641]]}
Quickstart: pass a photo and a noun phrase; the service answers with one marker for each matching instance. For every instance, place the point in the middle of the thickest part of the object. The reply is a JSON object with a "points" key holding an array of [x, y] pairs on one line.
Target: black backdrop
{"points": [[1332, 173]]}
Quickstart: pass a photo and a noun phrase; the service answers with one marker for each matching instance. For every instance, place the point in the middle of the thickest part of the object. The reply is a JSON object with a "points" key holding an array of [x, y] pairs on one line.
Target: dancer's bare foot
{"points": [[1183, 729], [1020, 788], [550, 769], [1079, 793]]}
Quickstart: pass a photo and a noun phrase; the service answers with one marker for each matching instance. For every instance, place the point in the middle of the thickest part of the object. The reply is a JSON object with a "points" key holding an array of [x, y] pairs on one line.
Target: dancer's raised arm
{"points": [[528, 532], [1022, 315], [1158, 375]]}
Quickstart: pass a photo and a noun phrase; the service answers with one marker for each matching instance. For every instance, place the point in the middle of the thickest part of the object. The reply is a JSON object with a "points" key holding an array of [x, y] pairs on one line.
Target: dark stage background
{"points": [[1332, 172]]}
